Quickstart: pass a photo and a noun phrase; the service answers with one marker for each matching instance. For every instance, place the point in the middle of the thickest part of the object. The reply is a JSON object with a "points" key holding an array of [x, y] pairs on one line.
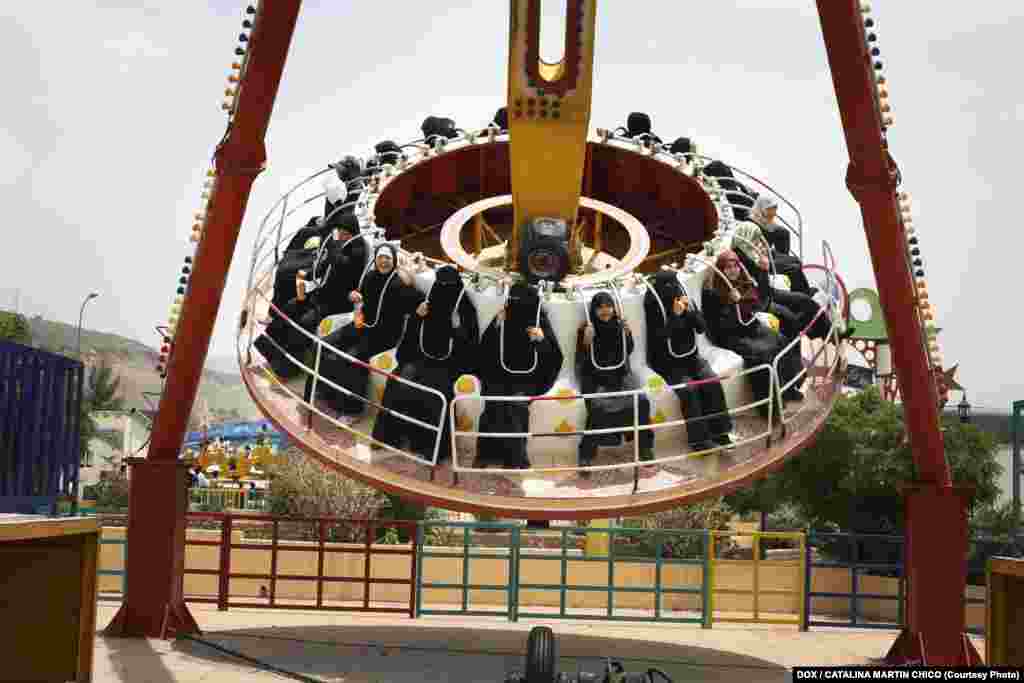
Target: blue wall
{"points": [[40, 404]]}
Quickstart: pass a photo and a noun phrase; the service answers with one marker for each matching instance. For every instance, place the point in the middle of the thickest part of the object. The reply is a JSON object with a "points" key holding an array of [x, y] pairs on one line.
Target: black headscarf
{"points": [[520, 313], [441, 301], [374, 283], [717, 169], [607, 341], [667, 287]]}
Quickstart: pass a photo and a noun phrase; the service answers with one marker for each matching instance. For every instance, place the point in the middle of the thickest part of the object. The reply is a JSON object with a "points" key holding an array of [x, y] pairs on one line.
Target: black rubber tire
{"points": [[541, 655]]}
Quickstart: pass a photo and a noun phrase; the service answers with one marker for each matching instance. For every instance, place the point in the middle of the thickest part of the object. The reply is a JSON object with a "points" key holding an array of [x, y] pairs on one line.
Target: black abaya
{"points": [[604, 367], [335, 267], [387, 300], [703, 405], [508, 374], [434, 353], [755, 343]]}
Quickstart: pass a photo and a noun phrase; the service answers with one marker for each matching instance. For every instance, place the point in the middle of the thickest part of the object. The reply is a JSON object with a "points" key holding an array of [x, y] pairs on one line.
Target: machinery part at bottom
{"points": [[542, 660]]}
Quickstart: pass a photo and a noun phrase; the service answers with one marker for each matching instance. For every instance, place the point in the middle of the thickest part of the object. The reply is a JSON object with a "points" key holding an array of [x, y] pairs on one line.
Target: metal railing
{"points": [[314, 372], [636, 427], [856, 566], [644, 567], [123, 572], [757, 590], [237, 499], [465, 556], [661, 152], [321, 529]]}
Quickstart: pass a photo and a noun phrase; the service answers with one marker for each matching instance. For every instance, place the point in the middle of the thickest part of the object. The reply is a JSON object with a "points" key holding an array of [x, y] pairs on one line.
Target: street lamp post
{"points": [[964, 409], [81, 312]]}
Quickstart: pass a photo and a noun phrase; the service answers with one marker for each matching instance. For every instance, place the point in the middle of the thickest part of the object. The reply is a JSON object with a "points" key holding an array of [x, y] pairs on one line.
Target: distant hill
{"points": [[220, 388]]}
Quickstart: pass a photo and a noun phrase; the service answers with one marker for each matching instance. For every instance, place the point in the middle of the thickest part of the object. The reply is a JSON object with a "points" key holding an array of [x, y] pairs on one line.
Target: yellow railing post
{"points": [[756, 548]]}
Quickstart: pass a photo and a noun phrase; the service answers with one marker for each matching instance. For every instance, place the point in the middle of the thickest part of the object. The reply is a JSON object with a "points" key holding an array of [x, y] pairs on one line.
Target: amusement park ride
{"points": [[586, 214]]}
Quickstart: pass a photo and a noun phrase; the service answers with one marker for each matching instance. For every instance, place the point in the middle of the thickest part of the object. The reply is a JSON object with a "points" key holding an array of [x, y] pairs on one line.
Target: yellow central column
{"points": [[549, 116]]}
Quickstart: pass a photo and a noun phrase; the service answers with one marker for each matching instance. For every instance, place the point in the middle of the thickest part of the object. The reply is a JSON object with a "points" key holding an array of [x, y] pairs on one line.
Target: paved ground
{"points": [[355, 648]]}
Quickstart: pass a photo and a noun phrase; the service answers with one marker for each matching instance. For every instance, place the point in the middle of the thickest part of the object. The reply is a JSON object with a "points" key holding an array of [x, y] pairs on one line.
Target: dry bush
{"points": [[301, 487]]}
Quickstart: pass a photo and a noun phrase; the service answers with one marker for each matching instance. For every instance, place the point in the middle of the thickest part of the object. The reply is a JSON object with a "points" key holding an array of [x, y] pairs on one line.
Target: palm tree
{"points": [[99, 393]]}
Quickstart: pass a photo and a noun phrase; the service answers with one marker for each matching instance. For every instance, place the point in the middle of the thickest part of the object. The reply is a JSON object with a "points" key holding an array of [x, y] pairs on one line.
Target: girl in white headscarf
{"points": [[762, 214]]}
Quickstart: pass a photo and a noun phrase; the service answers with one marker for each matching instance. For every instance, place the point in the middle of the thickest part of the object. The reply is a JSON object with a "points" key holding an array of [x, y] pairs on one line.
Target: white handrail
{"points": [[320, 343], [833, 335], [635, 427]]}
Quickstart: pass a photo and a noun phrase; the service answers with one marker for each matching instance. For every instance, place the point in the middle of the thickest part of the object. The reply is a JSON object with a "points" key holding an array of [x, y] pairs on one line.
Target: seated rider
{"points": [[383, 298], [606, 343], [673, 323], [730, 308], [763, 216], [335, 271], [795, 310], [438, 346], [519, 356]]}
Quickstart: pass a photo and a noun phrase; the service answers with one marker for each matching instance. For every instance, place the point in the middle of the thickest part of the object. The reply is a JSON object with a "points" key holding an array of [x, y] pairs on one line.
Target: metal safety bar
{"points": [[315, 372], [635, 427], [832, 336]]}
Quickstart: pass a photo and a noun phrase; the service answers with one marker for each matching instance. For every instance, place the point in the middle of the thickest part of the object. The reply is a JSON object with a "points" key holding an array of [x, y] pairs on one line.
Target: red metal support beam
{"points": [[936, 518], [153, 604]]}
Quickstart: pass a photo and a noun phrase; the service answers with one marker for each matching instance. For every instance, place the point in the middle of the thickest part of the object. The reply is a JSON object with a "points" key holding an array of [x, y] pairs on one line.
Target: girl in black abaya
{"points": [[519, 356], [795, 310], [439, 345], [603, 365], [383, 299], [673, 323], [335, 271], [730, 308]]}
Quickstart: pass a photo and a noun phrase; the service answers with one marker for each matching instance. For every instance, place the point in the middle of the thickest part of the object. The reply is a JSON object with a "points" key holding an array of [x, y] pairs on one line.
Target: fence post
{"points": [[413, 601], [225, 563], [808, 551], [707, 581], [421, 532], [513, 576]]}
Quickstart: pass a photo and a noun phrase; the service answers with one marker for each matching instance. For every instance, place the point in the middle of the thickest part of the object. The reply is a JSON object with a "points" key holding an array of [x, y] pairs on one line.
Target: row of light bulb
{"points": [[231, 91], [881, 82], [924, 305], [186, 271]]}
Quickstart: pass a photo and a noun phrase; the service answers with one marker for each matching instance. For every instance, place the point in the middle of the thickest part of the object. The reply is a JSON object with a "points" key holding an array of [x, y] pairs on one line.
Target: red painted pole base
{"points": [[936, 570], [154, 604]]}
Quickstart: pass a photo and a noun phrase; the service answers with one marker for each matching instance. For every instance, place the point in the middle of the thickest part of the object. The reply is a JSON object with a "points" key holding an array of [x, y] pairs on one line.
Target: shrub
{"points": [[301, 487], [111, 494], [713, 515]]}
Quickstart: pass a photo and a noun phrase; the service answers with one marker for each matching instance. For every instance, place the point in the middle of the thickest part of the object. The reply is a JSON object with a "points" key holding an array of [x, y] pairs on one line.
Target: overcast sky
{"points": [[112, 110]]}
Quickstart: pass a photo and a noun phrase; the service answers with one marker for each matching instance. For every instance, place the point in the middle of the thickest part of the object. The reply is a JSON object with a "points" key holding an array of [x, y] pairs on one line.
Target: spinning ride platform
{"points": [[643, 208]]}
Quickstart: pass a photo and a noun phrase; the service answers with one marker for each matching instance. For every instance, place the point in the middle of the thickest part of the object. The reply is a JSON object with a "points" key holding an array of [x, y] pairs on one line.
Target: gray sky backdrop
{"points": [[112, 109]]}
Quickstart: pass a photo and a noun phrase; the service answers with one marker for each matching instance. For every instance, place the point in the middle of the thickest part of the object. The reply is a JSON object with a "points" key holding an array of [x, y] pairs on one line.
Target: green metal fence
{"points": [[654, 549], [510, 554], [123, 542], [656, 540]]}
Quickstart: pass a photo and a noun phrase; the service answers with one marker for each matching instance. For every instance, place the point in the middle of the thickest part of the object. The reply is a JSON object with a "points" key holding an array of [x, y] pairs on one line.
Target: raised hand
{"points": [[588, 334]]}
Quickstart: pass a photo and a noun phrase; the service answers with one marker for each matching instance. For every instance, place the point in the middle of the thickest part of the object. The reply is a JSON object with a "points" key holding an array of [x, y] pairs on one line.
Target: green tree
{"points": [[849, 478], [14, 327], [100, 392]]}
